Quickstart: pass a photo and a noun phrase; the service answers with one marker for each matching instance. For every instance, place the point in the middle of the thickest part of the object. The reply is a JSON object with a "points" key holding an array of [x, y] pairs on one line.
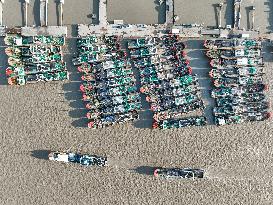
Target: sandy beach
{"points": [[74, 12], [50, 116], [136, 12], [42, 117], [142, 11]]}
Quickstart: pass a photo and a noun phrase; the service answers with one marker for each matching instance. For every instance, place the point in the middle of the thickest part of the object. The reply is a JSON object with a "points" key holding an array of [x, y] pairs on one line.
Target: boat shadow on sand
{"points": [[144, 170], [269, 4], [3, 63], [200, 66], [57, 2], [40, 154], [3, 79], [228, 16], [96, 11], [161, 10], [145, 115], [36, 13], [72, 88], [22, 2], [73, 95]]}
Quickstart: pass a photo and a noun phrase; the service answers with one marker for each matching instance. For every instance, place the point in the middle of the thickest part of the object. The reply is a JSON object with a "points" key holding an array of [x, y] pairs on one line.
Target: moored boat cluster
{"points": [[109, 86], [167, 81], [34, 59], [237, 76]]}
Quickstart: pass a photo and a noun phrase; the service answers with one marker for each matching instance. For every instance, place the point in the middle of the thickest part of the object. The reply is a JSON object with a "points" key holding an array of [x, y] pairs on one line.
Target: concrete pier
{"points": [[46, 31], [103, 12], [1, 11], [253, 18], [61, 12], [26, 12], [135, 30], [43, 12], [169, 11], [237, 13], [220, 6], [131, 30]]}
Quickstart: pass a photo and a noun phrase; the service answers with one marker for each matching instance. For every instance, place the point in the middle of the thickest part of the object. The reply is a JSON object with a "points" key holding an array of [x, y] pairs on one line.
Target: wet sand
{"points": [[142, 11], [263, 15], [74, 12], [12, 13], [80, 12], [136, 12], [196, 11], [41, 117]]}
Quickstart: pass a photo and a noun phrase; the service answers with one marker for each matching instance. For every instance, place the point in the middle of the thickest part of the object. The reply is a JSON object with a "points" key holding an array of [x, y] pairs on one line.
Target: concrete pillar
{"points": [[253, 17], [1, 11], [103, 12], [220, 14], [237, 13], [46, 12], [26, 10], [62, 16], [169, 11]]}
